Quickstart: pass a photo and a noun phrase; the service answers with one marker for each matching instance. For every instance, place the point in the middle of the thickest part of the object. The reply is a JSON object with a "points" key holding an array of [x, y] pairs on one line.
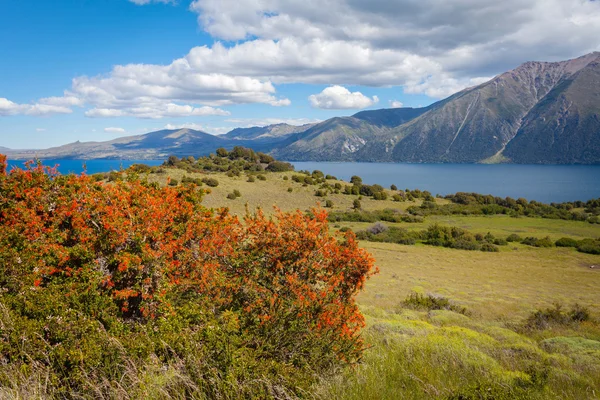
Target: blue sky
{"points": [[99, 69]]}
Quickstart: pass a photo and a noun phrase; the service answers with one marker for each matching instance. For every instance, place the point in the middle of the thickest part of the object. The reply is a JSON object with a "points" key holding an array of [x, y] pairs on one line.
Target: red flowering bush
{"points": [[100, 281]]}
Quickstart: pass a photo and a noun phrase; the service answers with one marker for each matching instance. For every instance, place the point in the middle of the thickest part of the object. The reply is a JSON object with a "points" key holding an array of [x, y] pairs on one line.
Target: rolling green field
{"points": [[490, 352]]}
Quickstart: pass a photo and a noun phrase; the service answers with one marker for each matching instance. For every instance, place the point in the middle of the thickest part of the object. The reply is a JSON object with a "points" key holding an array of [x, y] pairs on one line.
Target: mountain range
{"points": [[540, 112]]}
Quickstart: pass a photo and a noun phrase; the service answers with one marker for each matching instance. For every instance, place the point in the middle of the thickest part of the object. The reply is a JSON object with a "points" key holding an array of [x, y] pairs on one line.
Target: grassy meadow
{"points": [[490, 351]]}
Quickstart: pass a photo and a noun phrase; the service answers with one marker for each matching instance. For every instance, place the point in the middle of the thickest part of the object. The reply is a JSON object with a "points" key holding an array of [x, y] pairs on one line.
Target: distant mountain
{"points": [[154, 145], [276, 131], [540, 112]]}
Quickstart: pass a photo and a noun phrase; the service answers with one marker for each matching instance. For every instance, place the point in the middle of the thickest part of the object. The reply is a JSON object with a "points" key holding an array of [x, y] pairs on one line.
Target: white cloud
{"points": [[65, 101], [114, 130], [396, 104], [40, 129], [401, 42], [339, 98], [156, 110], [8, 107]]}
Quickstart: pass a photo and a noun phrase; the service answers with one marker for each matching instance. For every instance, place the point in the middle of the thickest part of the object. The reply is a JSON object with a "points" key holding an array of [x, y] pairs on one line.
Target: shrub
{"points": [[267, 159], [430, 302], [356, 204], [290, 190], [513, 237], [212, 182], [533, 241], [261, 177], [320, 193], [356, 180], [466, 245], [589, 246], [279, 166], [102, 282], [556, 315], [237, 193], [377, 228], [231, 196], [566, 242], [173, 182], [380, 196], [489, 248], [251, 179], [329, 204], [286, 178], [393, 187]]}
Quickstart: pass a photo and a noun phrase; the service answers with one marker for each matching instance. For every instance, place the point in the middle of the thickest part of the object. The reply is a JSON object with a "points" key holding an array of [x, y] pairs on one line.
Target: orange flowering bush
{"points": [[85, 263]]}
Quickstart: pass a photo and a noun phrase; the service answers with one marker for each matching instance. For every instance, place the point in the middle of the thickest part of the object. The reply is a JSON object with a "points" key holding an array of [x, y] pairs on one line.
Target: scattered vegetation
{"points": [[477, 204]]}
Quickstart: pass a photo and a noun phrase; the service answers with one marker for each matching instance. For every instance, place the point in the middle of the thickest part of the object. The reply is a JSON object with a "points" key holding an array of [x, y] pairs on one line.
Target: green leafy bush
{"points": [[513, 237], [589, 246], [430, 302], [566, 242], [212, 182]]}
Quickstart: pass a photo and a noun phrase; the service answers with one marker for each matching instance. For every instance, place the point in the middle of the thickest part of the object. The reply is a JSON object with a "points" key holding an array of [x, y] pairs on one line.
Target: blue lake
{"points": [[92, 166], [545, 183]]}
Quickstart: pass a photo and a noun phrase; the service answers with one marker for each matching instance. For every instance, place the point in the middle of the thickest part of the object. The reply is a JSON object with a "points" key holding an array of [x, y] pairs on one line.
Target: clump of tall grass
{"points": [[430, 302]]}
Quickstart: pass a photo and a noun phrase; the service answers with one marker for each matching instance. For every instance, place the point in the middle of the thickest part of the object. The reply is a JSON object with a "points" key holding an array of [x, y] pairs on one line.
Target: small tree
{"points": [[393, 187], [356, 180], [356, 204]]}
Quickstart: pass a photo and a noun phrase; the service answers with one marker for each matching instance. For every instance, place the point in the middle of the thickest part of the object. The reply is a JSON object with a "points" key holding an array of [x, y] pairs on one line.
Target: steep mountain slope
{"points": [[337, 139], [479, 122], [563, 128], [269, 132], [360, 137]]}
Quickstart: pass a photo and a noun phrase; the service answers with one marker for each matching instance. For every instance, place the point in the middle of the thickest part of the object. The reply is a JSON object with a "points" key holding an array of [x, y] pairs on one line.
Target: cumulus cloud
{"points": [[447, 43], [396, 104], [155, 111], [8, 108], [114, 130], [340, 98]]}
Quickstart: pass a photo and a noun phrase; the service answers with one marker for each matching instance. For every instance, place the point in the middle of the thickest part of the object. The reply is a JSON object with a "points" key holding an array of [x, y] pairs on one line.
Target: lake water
{"points": [[545, 183], [92, 166]]}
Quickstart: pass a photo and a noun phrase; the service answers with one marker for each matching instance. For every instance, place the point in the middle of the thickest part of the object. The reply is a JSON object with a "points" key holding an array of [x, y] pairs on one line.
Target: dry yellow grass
{"points": [[506, 285]]}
